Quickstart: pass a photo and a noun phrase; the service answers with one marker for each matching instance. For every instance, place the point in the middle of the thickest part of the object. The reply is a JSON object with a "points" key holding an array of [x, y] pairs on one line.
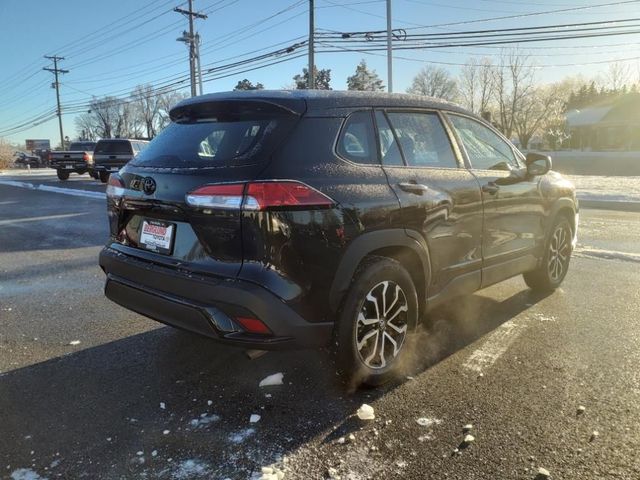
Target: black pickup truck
{"points": [[111, 154], [78, 159]]}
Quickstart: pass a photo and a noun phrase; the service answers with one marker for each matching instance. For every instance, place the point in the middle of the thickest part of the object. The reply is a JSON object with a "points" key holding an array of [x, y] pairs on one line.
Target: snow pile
{"points": [[275, 379], [365, 412]]}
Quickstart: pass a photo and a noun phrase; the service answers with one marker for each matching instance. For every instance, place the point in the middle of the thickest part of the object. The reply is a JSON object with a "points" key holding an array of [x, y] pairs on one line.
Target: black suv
{"points": [[283, 219], [111, 154]]}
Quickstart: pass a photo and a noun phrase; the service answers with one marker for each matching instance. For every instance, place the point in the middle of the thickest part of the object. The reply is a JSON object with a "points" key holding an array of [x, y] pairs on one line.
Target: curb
{"points": [[610, 205]]}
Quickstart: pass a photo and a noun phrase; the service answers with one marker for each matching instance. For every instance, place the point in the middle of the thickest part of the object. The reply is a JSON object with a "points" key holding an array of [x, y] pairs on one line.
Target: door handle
{"points": [[416, 188], [490, 188]]}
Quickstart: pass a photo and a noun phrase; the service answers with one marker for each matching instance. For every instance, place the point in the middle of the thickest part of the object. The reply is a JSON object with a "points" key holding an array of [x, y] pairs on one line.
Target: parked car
{"points": [[24, 159], [271, 220], [78, 159], [111, 154]]}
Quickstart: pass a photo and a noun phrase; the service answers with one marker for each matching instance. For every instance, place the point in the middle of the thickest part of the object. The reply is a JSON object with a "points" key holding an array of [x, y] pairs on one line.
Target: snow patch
{"points": [[428, 422], [241, 436], [591, 252], [188, 469], [204, 420], [26, 474]]}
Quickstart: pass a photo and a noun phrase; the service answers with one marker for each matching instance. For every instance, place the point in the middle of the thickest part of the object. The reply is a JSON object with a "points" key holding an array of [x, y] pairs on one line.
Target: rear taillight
{"points": [[50, 157], [258, 196], [227, 195], [115, 186], [85, 157]]}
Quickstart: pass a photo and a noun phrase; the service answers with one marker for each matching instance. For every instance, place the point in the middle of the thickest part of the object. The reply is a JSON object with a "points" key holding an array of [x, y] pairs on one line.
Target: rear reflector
{"points": [[252, 325], [115, 186], [258, 196]]}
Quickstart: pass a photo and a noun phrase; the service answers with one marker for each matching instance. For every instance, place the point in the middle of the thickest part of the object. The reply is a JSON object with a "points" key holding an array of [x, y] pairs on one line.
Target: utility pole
{"points": [[389, 50], [190, 38], [312, 63], [56, 85]]}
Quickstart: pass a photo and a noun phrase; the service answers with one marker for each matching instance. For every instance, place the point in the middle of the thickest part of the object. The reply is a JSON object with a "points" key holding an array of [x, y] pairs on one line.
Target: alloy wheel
{"points": [[381, 326], [559, 252]]}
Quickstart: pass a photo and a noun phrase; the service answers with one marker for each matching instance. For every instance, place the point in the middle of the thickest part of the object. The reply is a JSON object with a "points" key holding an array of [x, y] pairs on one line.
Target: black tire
{"points": [[555, 262], [94, 175], [62, 175], [104, 177], [363, 365]]}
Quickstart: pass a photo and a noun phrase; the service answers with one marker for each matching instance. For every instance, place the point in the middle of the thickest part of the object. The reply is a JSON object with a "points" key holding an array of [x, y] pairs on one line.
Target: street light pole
{"points": [[389, 50]]}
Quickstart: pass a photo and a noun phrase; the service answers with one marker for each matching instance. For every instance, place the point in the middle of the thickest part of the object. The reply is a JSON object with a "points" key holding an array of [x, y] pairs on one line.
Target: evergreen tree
{"points": [[364, 79], [323, 79], [247, 85]]}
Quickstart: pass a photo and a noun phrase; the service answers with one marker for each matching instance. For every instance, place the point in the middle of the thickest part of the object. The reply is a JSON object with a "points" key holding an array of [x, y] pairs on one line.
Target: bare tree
{"points": [[618, 75], [167, 101], [146, 103], [513, 82], [434, 82], [475, 85]]}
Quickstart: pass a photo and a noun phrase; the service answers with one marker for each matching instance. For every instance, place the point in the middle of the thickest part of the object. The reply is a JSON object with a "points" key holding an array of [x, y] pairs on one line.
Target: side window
{"points": [[357, 139], [486, 150], [388, 146], [423, 140]]}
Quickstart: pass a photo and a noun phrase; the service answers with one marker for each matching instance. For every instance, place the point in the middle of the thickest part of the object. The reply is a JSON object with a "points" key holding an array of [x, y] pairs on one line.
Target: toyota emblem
{"points": [[148, 185]]}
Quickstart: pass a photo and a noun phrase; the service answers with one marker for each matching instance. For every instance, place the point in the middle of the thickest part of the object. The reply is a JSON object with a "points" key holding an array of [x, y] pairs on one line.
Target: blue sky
{"points": [[110, 47]]}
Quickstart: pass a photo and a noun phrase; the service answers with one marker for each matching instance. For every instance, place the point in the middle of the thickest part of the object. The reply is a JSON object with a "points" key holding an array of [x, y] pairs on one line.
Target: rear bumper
{"points": [[207, 306], [108, 168], [71, 166]]}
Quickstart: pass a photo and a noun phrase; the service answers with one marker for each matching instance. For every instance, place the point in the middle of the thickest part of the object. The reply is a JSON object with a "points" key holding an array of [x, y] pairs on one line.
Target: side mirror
{"points": [[537, 164]]}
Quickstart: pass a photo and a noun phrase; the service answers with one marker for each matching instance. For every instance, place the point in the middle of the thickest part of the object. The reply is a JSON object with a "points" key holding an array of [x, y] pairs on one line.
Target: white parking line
{"points": [[39, 219], [493, 347], [49, 188]]}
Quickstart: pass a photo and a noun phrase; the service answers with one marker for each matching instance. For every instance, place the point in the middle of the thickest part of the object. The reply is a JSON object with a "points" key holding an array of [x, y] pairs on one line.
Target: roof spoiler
{"points": [[235, 109]]}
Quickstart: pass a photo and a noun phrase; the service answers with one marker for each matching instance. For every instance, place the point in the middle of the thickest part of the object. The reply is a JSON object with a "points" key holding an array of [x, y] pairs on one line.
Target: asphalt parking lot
{"points": [[90, 390]]}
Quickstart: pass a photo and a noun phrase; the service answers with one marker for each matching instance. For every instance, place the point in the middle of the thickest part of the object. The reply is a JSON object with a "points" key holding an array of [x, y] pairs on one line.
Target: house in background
{"points": [[610, 125]]}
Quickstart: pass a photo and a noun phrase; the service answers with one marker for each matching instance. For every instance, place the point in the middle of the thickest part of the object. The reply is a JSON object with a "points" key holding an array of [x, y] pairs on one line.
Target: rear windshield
{"points": [[114, 147], [84, 146], [211, 143]]}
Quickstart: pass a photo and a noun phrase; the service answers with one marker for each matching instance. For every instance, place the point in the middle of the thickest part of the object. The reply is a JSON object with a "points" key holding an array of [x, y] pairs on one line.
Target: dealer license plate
{"points": [[157, 236]]}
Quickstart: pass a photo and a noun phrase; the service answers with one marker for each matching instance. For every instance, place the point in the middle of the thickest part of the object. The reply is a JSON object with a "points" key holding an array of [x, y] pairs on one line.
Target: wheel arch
{"points": [[411, 251], [563, 207]]}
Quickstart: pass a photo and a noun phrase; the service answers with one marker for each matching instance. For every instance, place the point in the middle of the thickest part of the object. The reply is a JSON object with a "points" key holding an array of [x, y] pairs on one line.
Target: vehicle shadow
{"points": [[165, 402]]}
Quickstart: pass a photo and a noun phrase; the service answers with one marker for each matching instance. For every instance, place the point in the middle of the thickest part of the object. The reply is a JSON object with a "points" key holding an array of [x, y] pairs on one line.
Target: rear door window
{"points": [[423, 140], [389, 150], [114, 147], [84, 146], [357, 139]]}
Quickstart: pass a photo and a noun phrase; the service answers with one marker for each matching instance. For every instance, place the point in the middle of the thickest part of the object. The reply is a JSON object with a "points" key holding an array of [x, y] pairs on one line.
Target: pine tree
{"points": [[364, 79]]}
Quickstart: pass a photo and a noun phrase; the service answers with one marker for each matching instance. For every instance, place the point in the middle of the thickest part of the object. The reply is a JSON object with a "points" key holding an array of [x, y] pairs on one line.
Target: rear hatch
{"points": [[112, 153], [211, 143]]}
